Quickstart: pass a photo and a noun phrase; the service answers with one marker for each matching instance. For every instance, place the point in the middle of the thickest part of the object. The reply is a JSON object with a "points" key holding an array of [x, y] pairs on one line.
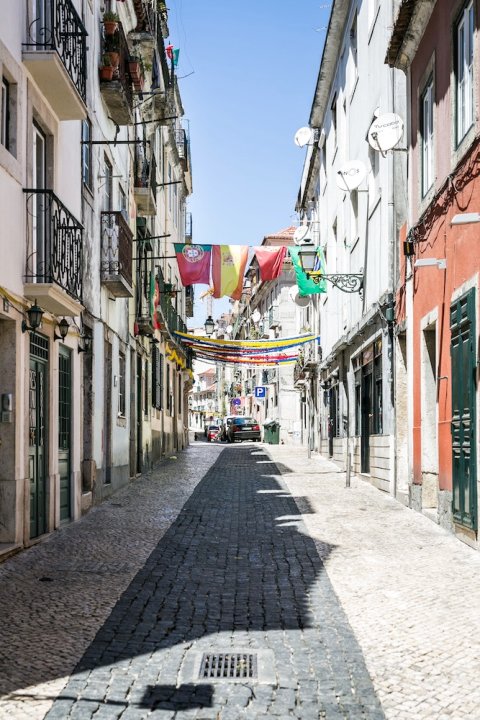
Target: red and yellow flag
{"points": [[228, 266], [270, 261]]}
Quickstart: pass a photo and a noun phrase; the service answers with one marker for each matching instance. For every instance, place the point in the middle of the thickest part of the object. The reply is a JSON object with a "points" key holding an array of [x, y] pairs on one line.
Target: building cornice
{"points": [[410, 23]]}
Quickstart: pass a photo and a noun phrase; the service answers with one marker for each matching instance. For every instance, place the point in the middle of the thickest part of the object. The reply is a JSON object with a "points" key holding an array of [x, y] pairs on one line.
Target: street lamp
{"points": [[63, 327], [35, 314], [346, 282], [209, 326]]}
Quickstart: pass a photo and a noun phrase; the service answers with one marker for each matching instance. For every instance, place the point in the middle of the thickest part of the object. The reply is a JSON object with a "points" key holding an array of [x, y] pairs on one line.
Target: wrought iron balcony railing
{"points": [[54, 243], [116, 263], [56, 25]]}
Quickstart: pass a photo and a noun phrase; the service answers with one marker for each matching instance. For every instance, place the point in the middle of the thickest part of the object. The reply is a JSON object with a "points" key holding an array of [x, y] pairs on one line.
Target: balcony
{"points": [[117, 93], [145, 186], [56, 56], [116, 260], [54, 269]]}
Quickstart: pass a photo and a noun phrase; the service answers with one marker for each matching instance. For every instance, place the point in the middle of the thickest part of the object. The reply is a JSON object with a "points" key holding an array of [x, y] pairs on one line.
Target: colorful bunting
{"points": [[307, 286], [228, 267], [193, 263], [270, 261]]}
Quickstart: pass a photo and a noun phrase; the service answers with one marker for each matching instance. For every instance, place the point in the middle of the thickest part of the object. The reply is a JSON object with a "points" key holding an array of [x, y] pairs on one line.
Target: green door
{"points": [[65, 430], [37, 450], [463, 356]]}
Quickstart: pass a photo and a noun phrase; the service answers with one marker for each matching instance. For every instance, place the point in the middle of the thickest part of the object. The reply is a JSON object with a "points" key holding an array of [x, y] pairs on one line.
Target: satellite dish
{"points": [[256, 316], [303, 136], [300, 236], [229, 329], [385, 132], [301, 301], [351, 175]]}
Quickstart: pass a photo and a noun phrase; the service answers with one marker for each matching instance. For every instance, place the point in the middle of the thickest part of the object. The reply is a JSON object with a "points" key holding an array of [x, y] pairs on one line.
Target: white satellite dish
{"points": [[229, 329], [351, 175], [385, 132], [256, 316], [300, 236], [303, 136], [301, 301]]}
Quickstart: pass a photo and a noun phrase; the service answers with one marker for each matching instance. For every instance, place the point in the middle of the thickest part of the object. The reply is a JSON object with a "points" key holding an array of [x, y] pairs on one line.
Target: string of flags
{"points": [[224, 266], [267, 353]]}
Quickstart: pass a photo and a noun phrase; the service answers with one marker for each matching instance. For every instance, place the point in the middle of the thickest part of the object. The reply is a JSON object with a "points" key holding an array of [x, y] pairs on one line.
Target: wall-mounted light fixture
{"points": [[84, 342], [63, 328], [346, 282], [209, 326], [465, 218], [440, 263], [35, 314]]}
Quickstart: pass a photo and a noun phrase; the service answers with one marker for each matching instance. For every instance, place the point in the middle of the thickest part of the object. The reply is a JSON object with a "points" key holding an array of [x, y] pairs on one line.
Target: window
{"points": [[377, 389], [464, 71], [170, 186], [5, 115], [123, 202], [108, 186], [169, 392], [333, 128], [121, 384], [157, 379], [353, 54], [145, 391], [358, 402], [426, 125], [87, 154]]}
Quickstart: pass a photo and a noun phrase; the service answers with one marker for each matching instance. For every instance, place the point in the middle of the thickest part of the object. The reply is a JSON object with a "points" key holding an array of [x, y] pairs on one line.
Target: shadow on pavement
{"points": [[236, 560]]}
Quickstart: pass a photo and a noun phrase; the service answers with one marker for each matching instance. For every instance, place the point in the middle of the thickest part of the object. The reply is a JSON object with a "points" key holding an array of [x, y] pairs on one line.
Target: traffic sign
{"points": [[260, 392], [236, 401]]}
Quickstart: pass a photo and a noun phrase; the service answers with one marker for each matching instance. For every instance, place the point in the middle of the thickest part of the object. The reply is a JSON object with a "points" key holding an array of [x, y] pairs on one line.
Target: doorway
{"points": [[463, 426], [429, 418], [38, 433], [366, 418], [65, 431]]}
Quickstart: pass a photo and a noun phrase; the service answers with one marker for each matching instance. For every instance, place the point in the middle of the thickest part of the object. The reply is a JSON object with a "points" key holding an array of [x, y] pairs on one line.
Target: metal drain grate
{"points": [[228, 666]]}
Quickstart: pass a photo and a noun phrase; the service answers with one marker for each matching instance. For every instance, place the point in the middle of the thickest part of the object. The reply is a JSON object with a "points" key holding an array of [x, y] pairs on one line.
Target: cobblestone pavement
{"points": [[235, 573], [355, 602], [410, 590]]}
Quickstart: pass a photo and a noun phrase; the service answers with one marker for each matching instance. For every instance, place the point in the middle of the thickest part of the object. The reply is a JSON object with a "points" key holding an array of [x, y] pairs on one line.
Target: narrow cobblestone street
{"points": [[351, 605]]}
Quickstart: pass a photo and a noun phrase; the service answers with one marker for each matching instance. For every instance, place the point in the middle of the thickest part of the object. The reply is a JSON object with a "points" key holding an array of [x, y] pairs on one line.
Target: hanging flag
{"points": [[193, 263], [270, 261], [152, 297], [228, 266], [307, 286], [156, 303]]}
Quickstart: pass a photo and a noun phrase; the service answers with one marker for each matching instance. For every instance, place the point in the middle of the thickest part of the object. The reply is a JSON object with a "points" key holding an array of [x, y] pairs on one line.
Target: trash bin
{"points": [[271, 432]]}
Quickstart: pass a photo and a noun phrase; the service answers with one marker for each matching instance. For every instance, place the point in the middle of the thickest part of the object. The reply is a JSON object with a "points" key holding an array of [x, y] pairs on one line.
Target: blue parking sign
{"points": [[260, 392]]}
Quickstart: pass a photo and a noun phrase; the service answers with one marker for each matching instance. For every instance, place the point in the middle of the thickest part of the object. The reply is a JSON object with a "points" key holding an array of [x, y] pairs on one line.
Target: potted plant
{"points": [[135, 68], [112, 48], [110, 22], [106, 69]]}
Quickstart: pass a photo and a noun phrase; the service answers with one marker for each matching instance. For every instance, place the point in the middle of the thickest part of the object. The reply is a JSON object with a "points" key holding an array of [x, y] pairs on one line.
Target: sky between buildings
{"points": [[247, 72]]}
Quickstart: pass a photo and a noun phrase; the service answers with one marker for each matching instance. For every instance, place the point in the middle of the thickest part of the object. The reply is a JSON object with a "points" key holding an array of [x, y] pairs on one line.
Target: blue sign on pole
{"points": [[236, 401], [260, 392]]}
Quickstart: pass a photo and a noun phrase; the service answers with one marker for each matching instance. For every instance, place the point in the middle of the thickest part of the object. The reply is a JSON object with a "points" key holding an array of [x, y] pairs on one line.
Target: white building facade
{"points": [[351, 389], [89, 398]]}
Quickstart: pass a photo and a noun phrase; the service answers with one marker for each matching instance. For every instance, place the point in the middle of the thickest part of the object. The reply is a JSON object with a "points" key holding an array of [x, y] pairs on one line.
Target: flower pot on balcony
{"points": [[111, 27], [114, 58], [106, 72]]}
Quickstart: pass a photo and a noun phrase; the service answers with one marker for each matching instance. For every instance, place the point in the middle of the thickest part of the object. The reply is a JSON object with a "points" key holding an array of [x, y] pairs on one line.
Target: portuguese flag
{"points": [[193, 263]]}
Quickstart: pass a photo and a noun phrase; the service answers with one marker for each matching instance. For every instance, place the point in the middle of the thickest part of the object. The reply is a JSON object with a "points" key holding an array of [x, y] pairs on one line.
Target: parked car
{"points": [[243, 428], [225, 425], [213, 432]]}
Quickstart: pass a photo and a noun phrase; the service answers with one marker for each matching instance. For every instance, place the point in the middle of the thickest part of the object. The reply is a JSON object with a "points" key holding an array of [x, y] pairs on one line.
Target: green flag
{"points": [[307, 286]]}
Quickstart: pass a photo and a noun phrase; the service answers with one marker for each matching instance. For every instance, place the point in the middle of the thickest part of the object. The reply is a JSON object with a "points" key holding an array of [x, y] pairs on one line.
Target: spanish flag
{"points": [[228, 267]]}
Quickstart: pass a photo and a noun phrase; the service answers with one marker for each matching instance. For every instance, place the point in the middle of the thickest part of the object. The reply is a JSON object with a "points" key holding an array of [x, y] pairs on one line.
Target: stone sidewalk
{"points": [[410, 590]]}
